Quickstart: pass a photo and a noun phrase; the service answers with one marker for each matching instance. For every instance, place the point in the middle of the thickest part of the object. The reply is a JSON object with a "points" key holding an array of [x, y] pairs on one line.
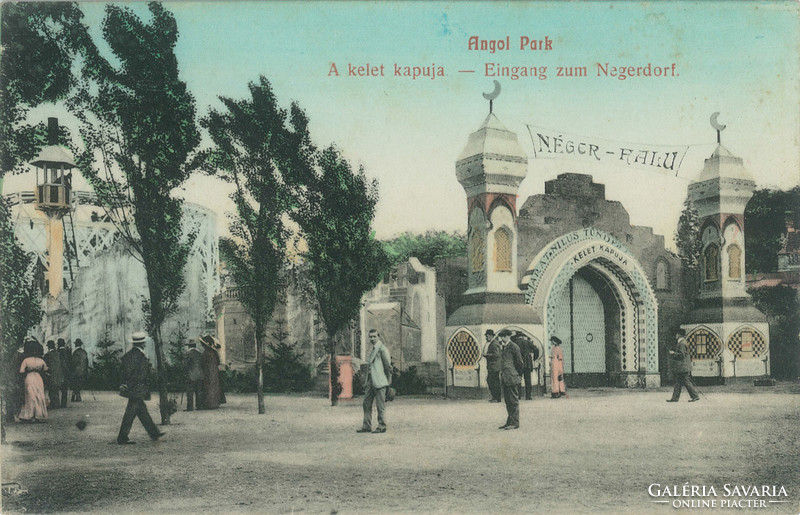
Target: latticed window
{"points": [[711, 263], [703, 344], [734, 262], [463, 350], [502, 250], [476, 252], [747, 343]]}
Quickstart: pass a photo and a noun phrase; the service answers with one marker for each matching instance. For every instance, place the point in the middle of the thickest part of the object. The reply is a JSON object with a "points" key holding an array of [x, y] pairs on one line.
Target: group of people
{"points": [[529, 353], [511, 357], [203, 385], [44, 380]]}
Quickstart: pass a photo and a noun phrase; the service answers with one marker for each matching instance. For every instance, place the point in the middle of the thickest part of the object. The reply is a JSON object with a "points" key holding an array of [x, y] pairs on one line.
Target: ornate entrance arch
{"points": [[586, 286]]}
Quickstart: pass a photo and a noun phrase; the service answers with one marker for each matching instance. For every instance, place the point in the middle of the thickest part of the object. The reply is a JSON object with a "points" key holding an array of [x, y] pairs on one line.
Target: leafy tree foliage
{"points": [[687, 239], [138, 128], [284, 366], [782, 307], [105, 373], [335, 215], [40, 42], [765, 224], [426, 247], [20, 296], [265, 152]]}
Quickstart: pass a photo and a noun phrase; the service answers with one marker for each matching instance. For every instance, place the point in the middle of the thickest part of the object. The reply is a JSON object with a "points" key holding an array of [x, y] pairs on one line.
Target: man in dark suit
{"points": [[510, 370], [682, 368], [492, 365], [66, 360], [79, 370], [526, 349], [135, 372], [194, 377], [56, 375]]}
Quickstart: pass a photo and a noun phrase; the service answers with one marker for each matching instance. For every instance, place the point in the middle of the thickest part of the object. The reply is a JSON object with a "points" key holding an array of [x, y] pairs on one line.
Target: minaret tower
{"points": [[490, 169], [727, 334]]}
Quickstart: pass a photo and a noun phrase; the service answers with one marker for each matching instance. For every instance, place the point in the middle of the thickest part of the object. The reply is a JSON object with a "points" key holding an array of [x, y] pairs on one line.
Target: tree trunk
{"points": [[334, 375], [163, 400], [260, 370]]}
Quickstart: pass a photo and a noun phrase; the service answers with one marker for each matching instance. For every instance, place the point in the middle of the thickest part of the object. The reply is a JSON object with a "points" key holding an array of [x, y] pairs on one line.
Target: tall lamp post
{"points": [[53, 196]]}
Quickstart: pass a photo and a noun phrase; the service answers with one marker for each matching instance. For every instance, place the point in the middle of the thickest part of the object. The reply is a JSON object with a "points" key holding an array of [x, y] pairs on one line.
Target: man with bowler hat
{"points": [[681, 362], [79, 370], [492, 365], [56, 376], [510, 371], [135, 372]]}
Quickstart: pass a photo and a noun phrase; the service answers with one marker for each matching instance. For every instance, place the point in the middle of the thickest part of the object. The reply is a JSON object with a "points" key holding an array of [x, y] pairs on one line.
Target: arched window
{"points": [[734, 262], [747, 343], [502, 250], [662, 275], [711, 263], [703, 344], [477, 243], [463, 351]]}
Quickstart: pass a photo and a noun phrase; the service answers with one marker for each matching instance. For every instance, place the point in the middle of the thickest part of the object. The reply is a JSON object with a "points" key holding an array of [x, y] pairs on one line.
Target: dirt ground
{"points": [[598, 451]]}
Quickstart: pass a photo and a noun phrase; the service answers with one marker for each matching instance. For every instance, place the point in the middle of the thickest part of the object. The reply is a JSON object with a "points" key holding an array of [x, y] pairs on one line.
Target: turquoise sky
{"points": [[739, 58]]}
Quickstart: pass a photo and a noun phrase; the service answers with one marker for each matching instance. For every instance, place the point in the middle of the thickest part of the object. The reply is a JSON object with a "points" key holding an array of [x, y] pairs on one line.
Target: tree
{"points": [[335, 215], [260, 149], [782, 307], [106, 370], [689, 244], [426, 247], [40, 42], [765, 224], [19, 303], [284, 364], [137, 123]]}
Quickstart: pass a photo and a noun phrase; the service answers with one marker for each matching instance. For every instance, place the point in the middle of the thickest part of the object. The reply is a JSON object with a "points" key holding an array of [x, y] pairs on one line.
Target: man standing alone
{"points": [[135, 372], [56, 378], [79, 370], [510, 370], [66, 363], [492, 365], [682, 368], [194, 377], [379, 371]]}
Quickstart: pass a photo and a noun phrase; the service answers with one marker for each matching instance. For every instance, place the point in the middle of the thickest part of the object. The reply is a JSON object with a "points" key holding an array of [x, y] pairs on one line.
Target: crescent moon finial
{"points": [[494, 94], [715, 124]]}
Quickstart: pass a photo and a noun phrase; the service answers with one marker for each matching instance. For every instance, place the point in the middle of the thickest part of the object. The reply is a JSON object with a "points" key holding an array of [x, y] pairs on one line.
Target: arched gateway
{"points": [[586, 288]]}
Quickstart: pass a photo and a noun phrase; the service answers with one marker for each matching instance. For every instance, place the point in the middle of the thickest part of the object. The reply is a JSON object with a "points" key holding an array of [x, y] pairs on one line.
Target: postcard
{"points": [[548, 217]]}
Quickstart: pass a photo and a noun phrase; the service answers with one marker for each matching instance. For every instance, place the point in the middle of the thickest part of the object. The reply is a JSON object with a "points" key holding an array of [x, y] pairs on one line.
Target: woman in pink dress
{"points": [[32, 367], [558, 388]]}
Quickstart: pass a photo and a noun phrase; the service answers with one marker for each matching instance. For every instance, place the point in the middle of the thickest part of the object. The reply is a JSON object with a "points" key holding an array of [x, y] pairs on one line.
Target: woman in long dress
{"points": [[32, 367], [211, 389], [558, 387]]}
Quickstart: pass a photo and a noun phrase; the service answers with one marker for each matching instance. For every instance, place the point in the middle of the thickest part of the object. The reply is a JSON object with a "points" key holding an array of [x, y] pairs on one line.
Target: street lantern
{"points": [[53, 173]]}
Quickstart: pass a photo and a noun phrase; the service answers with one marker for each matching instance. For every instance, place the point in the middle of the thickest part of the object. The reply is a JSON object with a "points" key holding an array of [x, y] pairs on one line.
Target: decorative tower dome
{"points": [[490, 169]]}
